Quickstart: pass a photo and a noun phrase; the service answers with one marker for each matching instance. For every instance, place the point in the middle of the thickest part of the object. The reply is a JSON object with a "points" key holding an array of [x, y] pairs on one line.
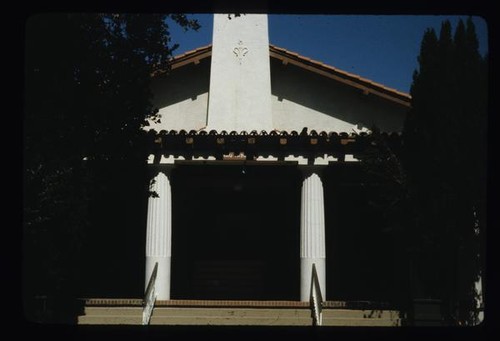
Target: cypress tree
{"points": [[444, 157]]}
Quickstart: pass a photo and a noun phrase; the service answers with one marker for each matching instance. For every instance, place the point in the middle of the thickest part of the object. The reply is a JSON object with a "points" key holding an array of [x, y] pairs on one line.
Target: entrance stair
{"points": [[235, 313]]}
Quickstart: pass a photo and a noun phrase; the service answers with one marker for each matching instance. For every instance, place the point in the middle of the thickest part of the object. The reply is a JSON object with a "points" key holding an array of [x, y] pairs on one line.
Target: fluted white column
{"points": [[159, 234], [312, 233]]}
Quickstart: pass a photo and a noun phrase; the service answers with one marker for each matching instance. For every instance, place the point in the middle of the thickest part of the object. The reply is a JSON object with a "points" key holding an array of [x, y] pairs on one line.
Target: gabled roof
{"points": [[367, 86]]}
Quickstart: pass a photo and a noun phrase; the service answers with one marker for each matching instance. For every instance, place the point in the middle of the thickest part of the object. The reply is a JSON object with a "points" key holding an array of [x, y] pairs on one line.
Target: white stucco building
{"points": [[253, 162], [242, 83]]}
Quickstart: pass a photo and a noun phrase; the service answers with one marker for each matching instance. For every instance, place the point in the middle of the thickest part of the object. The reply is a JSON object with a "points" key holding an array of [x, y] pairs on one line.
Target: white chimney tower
{"points": [[240, 80]]}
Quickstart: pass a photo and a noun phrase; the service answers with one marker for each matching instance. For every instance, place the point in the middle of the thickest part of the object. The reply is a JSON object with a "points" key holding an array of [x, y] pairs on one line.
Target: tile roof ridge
{"points": [[190, 52], [339, 71]]}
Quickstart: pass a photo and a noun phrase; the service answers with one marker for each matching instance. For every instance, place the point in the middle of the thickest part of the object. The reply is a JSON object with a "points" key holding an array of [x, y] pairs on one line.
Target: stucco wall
{"points": [[182, 97], [240, 84], [301, 99]]}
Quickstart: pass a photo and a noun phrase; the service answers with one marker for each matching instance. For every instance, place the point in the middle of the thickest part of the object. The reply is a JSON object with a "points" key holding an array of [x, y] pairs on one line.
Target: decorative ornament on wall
{"points": [[240, 51]]}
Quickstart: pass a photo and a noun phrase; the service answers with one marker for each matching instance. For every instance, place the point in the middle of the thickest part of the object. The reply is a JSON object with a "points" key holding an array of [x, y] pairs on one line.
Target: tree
{"points": [[87, 97], [444, 157]]}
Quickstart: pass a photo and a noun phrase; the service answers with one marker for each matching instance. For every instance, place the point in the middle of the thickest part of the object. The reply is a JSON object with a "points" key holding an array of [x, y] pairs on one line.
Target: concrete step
{"points": [[360, 322], [231, 316], [355, 317], [232, 321], [263, 316], [360, 314], [112, 311], [110, 319], [111, 315], [197, 316], [232, 312]]}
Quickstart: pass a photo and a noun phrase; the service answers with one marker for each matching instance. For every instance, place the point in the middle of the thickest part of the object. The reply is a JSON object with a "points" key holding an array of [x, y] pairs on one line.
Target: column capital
{"points": [[307, 171], [161, 168]]}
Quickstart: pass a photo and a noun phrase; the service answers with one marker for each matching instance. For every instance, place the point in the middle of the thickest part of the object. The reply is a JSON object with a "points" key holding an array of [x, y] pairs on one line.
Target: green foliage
{"points": [[87, 95], [445, 159]]}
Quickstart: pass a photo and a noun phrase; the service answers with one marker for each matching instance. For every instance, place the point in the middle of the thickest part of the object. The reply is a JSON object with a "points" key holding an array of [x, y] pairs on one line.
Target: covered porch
{"points": [[247, 218]]}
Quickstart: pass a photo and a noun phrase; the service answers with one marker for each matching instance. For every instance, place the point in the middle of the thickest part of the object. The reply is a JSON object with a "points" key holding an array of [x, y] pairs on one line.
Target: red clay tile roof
{"points": [[193, 56], [288, 57], [279, 144], [366, 85]]}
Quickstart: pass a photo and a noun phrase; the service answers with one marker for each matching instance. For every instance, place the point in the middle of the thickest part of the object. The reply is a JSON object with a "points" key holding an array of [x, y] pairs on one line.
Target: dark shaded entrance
{"points": [[235, 232]]}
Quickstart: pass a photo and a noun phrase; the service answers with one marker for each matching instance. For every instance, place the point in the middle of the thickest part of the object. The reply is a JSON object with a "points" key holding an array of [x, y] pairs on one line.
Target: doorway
{"points": [[235, 232]]}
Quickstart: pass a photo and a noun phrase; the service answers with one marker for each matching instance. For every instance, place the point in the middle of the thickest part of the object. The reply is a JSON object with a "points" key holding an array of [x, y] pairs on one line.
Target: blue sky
{"points": [[383, 48]]}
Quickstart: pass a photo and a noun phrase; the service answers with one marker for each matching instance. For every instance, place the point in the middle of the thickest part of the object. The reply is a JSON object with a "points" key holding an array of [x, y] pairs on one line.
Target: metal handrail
{"points": [[149, 297], [316, 299]]}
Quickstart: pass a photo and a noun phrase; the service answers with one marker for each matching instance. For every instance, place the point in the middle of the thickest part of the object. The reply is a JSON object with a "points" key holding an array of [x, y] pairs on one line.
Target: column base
{"points": [[306, 276], [162, 283]]}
